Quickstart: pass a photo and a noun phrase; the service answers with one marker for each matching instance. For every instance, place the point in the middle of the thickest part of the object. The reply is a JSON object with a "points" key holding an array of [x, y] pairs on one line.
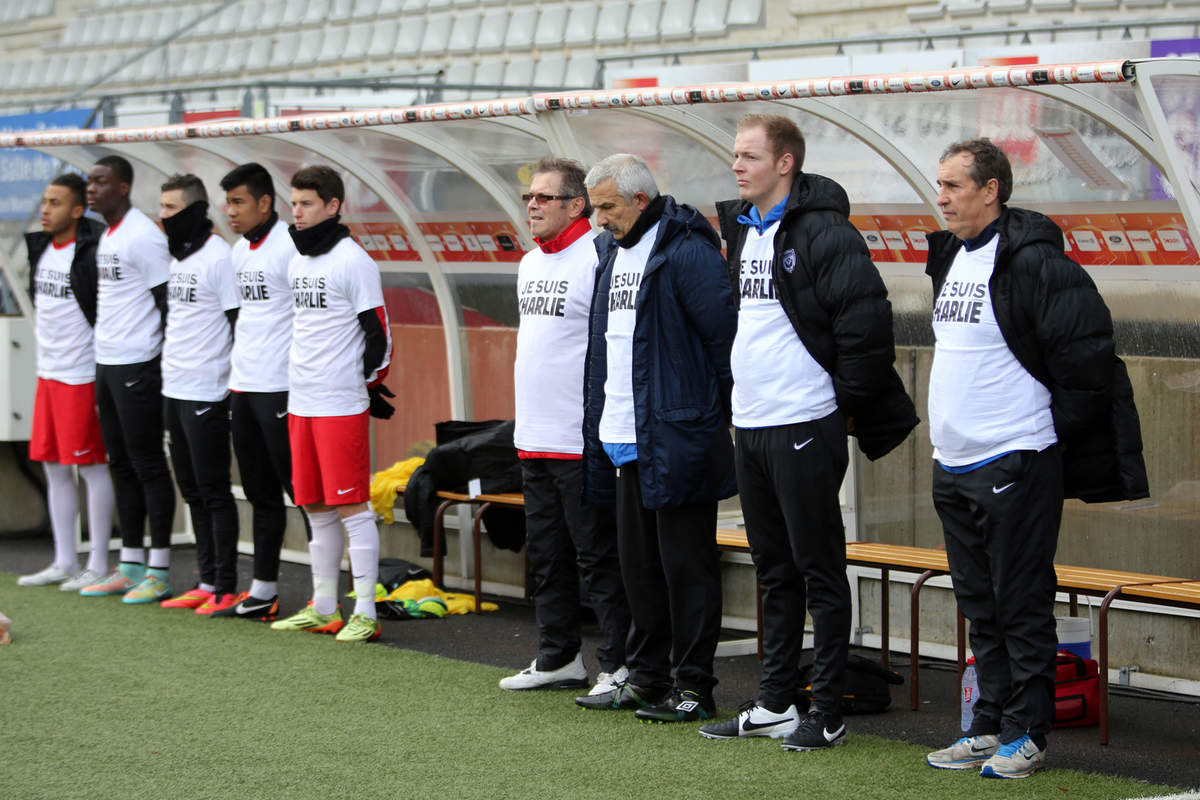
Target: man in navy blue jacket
{"points": [[656, 431]]}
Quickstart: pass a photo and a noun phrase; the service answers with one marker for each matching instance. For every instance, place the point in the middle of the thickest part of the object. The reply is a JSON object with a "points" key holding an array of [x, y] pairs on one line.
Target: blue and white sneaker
{"points": [[1017, 759], [967, 752]]}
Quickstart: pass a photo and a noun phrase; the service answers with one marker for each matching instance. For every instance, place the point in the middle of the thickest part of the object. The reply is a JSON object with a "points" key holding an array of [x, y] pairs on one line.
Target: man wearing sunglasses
{"points": [[571, 545]]}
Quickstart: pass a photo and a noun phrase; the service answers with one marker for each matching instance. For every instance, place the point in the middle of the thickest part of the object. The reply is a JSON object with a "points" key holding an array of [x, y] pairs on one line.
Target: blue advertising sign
{"points": [[24, 173]]}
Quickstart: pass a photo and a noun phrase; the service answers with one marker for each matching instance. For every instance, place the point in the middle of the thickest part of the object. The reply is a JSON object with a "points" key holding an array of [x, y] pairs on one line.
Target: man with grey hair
{"points": [[656, 432], [572, 545]]}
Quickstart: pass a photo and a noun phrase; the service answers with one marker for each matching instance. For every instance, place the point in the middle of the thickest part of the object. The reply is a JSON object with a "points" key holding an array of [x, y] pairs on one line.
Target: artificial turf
{"points": [[102, 700]]}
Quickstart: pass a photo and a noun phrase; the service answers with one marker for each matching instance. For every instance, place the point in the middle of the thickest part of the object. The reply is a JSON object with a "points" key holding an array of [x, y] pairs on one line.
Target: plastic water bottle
{"points": [[970, 693]]}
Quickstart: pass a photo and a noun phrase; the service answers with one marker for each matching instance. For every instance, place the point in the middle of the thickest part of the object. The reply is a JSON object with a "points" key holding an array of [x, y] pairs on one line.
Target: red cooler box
{"points": [[1076, 691]]}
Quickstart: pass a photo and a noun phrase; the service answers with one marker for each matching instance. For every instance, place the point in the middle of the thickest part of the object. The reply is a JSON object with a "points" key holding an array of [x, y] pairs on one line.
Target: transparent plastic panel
{"points": [[1180, 100]]}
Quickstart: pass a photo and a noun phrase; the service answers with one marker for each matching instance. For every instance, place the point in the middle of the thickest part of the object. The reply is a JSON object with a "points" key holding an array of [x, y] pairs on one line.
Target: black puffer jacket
{"points": [[83, 267], [1057, 326], [835, 299]]}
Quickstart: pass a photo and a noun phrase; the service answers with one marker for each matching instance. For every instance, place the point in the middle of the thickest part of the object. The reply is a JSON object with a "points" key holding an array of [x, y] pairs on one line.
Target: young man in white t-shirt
{"points": [[341, 346], [812, 358], [66, 430], [572, 546], [258, 378], [131, 307], [202, 309], [1028, 405]]}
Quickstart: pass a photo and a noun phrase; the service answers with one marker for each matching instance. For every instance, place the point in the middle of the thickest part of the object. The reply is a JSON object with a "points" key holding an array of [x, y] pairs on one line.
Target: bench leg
{"points": [[1074, 604], [1103, 665], [884, 631], [960, 639], [914, 650], [476, 547], [438, 535]]}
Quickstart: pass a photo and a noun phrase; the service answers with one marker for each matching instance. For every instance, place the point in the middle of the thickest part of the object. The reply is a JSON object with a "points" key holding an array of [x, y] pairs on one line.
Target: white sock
{"points": [[325, 550], [160, 558], [63, 504], [100, 503], [364, 559], [133, 555], [207, 587], [263, 590]]}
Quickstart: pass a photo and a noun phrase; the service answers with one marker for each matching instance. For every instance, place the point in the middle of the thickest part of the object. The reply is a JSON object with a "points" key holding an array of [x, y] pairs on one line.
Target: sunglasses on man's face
{"points": [[542, 199]]}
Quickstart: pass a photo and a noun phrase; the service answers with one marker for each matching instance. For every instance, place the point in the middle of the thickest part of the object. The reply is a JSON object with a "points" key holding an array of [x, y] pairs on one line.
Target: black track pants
{"points": [[129, 403], [788, 480], [1001, 526]]}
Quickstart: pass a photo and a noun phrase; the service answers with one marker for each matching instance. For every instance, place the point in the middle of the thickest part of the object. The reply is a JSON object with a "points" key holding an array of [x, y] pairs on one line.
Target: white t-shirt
{"points": [[325, 370], [776, 381], [131, 259], [554, 297], [982, 402], [617, 422], [264, 325], [195, 363], [64, 337]]}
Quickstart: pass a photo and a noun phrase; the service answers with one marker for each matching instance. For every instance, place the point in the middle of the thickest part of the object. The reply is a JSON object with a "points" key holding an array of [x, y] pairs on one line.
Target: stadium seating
{"points": [[550, 40]]}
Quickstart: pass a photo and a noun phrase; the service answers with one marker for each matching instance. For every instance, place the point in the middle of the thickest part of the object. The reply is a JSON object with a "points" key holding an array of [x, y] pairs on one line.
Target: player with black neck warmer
{"points": [[132, 265], [258, 378], [341, 346], [656, 432], [202, 305]]}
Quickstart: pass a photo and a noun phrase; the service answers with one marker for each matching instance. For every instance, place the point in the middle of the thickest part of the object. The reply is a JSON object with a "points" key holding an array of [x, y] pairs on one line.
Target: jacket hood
{"points": [[817, 193], [1021, 227], [88, 230], [678, 219]]}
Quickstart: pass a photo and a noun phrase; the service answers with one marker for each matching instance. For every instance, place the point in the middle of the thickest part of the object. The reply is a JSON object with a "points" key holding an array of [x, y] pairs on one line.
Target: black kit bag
{"points": [[866, 691]]}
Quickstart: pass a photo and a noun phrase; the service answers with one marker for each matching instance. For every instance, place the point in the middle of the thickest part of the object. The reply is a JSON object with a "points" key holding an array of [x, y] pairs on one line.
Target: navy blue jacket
{"points": [[681, 378]]}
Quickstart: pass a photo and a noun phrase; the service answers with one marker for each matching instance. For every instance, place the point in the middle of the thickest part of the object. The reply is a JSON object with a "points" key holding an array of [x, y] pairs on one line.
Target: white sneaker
{"points": [[967, 752], [754, 720], [1017, 759], [82, 579], [609, 681], [49, 575], [571, 676]]}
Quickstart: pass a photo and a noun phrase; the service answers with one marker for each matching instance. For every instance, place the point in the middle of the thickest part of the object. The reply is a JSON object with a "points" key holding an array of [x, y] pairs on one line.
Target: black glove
{"points": [[380, 408]]}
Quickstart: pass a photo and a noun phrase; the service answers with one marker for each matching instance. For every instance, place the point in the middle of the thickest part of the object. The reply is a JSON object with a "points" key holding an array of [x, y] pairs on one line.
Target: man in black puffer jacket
{"points": [[813, 358], [1028, 404]]}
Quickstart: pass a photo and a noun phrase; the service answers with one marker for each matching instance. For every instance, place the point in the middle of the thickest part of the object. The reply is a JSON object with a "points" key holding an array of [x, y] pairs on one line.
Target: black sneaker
{"points": [[816, 731], [625, 697], [250, 607], [683, 705]]}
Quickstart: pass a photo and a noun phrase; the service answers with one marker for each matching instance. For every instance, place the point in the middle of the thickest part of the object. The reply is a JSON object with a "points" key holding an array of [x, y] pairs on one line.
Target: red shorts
{"points": [[66, 429], [331, 459]]}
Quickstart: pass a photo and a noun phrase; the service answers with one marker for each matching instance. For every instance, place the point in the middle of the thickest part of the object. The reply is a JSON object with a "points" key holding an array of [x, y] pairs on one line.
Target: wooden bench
{"points": [[1074, 581], [925, 562], [482, 502]]}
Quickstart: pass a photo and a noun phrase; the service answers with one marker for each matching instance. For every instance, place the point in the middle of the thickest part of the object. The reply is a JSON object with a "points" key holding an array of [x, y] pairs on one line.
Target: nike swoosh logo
{"points": [[829, 737], [803, 444], [202, 411], [243, 608], [1005, 487], [83, 452], [754, 726], [280, 415], [130, 384], [344, 491]]}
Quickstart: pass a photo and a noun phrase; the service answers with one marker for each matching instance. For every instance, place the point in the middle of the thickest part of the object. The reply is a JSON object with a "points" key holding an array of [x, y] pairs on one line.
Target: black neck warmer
{"points": [[651, 215], [320, 238], [258, 234], [188, 230]]}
